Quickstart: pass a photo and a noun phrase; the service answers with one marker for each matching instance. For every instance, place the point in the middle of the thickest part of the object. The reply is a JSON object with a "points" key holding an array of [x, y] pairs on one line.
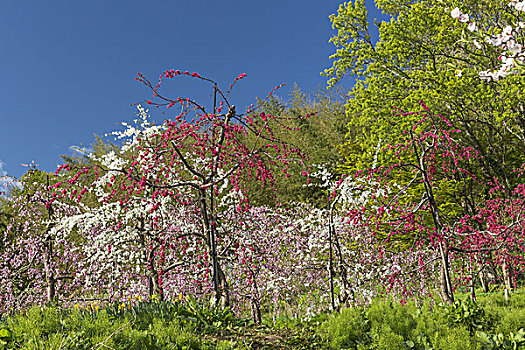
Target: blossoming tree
{"points": [[436, 201], [183, 165], [508, 39], [37, 260]]}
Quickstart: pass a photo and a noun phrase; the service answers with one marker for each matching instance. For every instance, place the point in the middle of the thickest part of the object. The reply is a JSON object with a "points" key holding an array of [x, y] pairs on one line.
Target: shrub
{"points": [[347, 329]]}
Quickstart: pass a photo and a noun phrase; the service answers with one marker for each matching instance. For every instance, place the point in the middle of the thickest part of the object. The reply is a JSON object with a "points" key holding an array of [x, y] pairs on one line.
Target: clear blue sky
{"points": [[68, 66]]}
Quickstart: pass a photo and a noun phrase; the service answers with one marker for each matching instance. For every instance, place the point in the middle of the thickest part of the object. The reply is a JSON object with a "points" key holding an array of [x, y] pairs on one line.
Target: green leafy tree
{"points": [[5, 214], [315, 124], [423, 54]]}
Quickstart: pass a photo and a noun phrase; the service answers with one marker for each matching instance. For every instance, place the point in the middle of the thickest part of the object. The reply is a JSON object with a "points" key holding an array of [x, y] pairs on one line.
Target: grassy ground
{"points": [[142, 325], [489, 324]]}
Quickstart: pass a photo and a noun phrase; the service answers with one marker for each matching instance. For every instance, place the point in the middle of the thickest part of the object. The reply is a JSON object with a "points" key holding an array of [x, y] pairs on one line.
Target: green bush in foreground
{"points": [[179, 325], [157, 325], [486, 324]]}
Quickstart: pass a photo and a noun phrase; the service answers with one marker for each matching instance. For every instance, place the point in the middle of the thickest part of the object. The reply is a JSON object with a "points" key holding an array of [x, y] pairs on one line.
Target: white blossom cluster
{"points": [[512, 56], [143, 129], [350, 193]]}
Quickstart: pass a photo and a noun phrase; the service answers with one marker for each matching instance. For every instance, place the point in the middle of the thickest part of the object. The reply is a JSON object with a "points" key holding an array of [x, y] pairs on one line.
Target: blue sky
{"points": [[68, 67]]}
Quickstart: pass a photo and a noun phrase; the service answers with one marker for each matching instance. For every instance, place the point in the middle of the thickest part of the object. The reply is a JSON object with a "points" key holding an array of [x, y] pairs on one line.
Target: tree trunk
{"points": [[507, 279], [222, 297], [447, 293], [50, 278], [256, 311], [444, 293], [472, 284], [256, 301], [149, 259], [221, 294], [483, 278], [153, 281], [154, 287], [445, 284], [51, 287], [48, 252]]}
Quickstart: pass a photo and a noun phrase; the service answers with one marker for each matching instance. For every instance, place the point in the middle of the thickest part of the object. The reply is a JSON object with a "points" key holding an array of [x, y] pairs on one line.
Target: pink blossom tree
{"points": [[432, 198], [185, 166], [37, 260]]}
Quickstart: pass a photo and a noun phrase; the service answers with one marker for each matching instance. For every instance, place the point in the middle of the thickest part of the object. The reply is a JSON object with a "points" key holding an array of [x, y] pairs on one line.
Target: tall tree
{"points": [[189, 162], [426, 54], [319, 137], [37, 261], [423, 54]]}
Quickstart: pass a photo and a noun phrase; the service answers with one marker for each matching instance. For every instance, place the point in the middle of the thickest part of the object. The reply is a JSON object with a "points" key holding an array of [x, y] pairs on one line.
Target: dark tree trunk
{"points": [[256, 311], [221, 295], [149, 260], [50, 278], [154, 287]]}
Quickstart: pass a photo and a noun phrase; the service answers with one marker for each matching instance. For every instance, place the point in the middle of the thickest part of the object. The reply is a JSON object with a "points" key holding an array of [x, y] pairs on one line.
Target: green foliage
{"points": [[5, 213], [468, 313], [319, 137], [6, 339], [417, 57], [347, 330], [464, 325], [193, 314], [204, 317], [150, 327], [191, 324], [510, 314], [503, 341], [397, 319]]}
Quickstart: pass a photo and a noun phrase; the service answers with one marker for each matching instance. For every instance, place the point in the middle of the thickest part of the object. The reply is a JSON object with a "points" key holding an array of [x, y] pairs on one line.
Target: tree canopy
{"points": [[423, 54]]}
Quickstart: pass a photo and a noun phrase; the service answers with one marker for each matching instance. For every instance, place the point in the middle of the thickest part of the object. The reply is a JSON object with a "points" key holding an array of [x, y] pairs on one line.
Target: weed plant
{"points": [[489, 323]]}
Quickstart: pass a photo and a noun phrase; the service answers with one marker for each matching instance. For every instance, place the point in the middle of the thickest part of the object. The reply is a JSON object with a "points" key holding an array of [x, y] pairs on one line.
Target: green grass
{"points": [[489, 324], [142, 325]]}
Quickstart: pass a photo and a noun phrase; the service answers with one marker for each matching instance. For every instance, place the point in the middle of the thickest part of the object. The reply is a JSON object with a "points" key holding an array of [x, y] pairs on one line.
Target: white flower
{"points": [[497, 41], [472, 27], [477, 44], [507, 31], [455, 13], [458, 73], [464, 18], [485, 75]]}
